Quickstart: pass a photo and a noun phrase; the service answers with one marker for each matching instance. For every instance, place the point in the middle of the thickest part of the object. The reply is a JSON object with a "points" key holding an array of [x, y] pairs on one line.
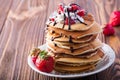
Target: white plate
{"points": [[103, 64]]}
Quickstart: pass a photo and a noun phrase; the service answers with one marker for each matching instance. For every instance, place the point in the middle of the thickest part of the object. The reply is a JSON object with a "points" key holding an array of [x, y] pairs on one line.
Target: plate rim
{"points": [[30, 63]]}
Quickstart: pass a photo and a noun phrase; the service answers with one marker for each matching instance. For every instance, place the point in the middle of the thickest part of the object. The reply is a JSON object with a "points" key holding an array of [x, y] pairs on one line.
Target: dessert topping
{"points": [[67, 15]]}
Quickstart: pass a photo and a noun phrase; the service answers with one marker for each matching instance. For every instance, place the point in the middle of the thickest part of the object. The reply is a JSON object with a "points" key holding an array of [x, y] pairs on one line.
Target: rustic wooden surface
{"points": [[22, 24]]}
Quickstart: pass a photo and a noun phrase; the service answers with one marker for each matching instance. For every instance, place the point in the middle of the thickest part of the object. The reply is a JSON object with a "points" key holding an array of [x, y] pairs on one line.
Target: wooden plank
{"points": [[108, 6]]}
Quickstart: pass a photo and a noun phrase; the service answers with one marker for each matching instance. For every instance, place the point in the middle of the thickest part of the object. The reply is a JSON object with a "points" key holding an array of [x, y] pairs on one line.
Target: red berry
{"points": [[34, 59], [71, 21], [75, 7], [108, 30], [115, 18], [81, 12], [46, 64], [60, 9], [52, 19]]}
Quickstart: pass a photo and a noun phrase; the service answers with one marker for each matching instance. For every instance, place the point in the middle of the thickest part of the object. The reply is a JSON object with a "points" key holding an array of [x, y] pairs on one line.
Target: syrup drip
{"points": [[55, 44], [70, 39], [81, 22], [54, 23], [68, 19], [64, 21], [71, 49], [52, 39]]}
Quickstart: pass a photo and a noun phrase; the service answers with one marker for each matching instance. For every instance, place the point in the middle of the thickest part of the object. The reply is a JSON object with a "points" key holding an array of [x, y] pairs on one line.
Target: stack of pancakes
{"points": [[76, 49]]}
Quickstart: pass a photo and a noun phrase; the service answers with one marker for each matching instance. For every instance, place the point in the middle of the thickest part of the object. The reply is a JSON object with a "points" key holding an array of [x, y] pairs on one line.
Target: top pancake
{"points": [[88, 19], [95, 29]]}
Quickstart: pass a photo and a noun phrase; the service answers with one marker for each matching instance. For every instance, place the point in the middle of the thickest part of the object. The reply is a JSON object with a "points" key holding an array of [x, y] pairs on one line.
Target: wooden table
{"points": [[22, 27]]}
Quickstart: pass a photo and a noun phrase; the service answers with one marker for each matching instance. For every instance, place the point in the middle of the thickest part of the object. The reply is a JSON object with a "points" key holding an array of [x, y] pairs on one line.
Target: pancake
{"points": [[77, 26], [86, 55], [68, 69], [92, 47], [68, 45], [92, 59], [56, 37], [75, 64], [95, 29]]}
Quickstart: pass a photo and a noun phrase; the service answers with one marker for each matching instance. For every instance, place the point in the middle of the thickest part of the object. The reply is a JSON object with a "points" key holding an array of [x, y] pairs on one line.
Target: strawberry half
{"points": [[34, 54], [60, 8], [81, 12], [44, 62], [108, 30]]}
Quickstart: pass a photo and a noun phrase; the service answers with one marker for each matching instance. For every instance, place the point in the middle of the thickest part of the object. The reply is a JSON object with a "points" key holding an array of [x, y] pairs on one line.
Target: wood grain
{"points": [[22, 27]]}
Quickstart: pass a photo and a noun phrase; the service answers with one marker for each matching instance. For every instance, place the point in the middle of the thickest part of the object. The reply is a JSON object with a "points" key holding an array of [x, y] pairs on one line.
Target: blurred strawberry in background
{"points": [[115, 18]]}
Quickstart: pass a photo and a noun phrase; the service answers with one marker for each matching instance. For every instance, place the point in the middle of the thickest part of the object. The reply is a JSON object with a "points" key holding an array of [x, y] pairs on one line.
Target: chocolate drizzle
{"points": [[70, 39], [52, 31], [52, 39], [68, 19], [81, 22], [64, 21], [47, 25], [55, 44], [71, 49], [54, 23]]}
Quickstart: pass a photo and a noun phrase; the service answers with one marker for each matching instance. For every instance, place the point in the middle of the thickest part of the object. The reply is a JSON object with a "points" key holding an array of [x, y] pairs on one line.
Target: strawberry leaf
{"points": [[43, 54]]}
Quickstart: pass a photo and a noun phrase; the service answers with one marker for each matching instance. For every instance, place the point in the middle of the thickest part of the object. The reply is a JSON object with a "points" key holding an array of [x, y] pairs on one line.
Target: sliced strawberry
{"points": [[74, 7], [81, 12], [108, 30], [52, 19], [34, 54], [71, 21], [44, 62], [60, 8]]}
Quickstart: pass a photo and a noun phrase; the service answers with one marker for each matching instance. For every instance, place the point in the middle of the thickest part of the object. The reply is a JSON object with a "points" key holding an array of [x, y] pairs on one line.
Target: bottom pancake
{"points": [[74, 69]]}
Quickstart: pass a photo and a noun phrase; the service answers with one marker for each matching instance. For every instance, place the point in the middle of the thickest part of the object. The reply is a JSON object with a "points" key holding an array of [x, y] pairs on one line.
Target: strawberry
{"points": [[74, 7], [108, 30], [34, 54], [115, 18], [71, 21], [52, 19], [60, 8], [81, 12], [44, 62]]}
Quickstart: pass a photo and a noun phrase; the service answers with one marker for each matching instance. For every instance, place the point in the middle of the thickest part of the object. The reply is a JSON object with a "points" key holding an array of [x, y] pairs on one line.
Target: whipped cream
{"points": [[59, 17]]}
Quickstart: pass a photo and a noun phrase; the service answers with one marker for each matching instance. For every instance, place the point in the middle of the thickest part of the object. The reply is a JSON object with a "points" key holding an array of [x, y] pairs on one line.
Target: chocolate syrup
{"points": [[55, 44], [81, 22], [54, 23], [52, 31], [64, 21], [70, 39], [52, 39], [71, 49], [47, 25], [68, 19]]}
